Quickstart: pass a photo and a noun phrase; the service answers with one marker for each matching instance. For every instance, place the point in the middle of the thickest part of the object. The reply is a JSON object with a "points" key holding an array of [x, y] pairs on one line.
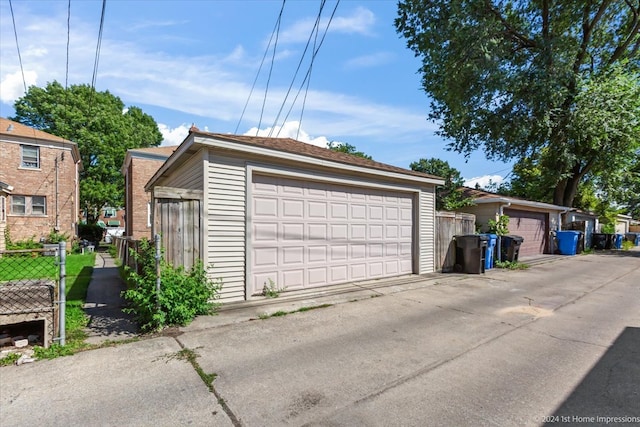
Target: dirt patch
{"points": [[529, 310]]}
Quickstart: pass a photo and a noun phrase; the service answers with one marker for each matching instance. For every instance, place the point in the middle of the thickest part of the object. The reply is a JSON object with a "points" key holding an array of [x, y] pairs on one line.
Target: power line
{"points": [[260, 68], [15, 33], [97, 59], [304, 53], [275, 45], [313, 57]]}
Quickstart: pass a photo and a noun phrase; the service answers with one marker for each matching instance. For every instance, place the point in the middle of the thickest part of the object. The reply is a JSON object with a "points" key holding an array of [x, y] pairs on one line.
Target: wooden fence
{"points": [[449, 224]]}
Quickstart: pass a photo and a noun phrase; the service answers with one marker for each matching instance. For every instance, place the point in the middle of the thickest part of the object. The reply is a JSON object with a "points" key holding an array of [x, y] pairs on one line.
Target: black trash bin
{"points": [[603, 241], [471, 251], [510, 247]]}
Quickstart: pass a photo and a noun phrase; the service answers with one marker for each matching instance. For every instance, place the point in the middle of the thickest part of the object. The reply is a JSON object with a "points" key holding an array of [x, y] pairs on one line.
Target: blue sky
{"points": [[187, 62]]}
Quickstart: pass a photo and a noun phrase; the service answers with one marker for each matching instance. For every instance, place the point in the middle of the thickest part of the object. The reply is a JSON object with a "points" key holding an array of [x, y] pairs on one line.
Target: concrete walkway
{"points": [[104, 304]]}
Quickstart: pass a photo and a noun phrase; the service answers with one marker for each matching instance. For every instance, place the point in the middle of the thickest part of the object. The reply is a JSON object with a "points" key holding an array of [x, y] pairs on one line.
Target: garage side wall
{"points": [[225, 213], [189, 176], [426, 231]]}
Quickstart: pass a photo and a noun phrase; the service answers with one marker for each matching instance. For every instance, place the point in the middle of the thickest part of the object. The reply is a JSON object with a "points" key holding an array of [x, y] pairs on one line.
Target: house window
{"points": [[38, 205], [109, 212], [30, 156], [28, 205]]}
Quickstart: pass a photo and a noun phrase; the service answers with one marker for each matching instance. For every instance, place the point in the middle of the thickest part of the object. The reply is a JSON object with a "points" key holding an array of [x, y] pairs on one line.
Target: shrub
{"points": [[56, 237], [90, 232], [184, 294]]}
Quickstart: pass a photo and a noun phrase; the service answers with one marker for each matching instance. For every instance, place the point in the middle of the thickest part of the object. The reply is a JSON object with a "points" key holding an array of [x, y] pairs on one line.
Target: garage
{"points": [[294, 216], [308, 234], [534, 221], [533, 227]]}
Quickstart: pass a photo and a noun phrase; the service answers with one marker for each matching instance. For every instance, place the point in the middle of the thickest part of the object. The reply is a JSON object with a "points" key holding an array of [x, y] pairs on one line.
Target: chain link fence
{"points": [[32, 296]]}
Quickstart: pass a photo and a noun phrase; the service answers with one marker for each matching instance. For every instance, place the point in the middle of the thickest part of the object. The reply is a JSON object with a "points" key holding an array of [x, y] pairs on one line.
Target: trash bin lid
{"points": [[568, 232], [517, 239]]}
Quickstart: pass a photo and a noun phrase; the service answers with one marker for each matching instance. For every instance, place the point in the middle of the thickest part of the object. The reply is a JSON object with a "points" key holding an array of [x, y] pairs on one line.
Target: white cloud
{"points": [[361, 21], [372, 60], [483, 181], [290, 130], [12, 86], [173, 136]]}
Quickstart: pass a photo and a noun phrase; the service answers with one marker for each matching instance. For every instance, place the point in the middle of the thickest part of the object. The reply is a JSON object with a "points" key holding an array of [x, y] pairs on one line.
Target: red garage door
{"points": [[533, 227]]}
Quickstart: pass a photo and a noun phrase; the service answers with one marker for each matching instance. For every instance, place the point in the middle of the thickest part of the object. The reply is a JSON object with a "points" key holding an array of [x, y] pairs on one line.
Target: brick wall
{"points": [[41, 182], [139, 173]]}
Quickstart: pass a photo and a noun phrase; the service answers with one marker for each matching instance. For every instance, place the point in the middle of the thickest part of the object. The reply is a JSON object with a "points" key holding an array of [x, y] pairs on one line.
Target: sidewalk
{"points": [[104, 304]]}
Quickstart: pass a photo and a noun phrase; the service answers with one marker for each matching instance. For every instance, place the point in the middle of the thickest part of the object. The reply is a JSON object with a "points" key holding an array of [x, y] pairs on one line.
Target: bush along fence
{"points": [[160, 294], [32, 296]]}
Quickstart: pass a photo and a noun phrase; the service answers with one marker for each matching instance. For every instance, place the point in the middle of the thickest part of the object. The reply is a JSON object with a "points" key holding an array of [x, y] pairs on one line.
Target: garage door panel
{"points": [[307, 234], [533, 227]]}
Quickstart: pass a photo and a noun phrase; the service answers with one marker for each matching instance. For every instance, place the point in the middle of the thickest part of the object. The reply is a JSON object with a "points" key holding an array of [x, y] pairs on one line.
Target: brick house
{"points": [[39, 173], [139, 166]]}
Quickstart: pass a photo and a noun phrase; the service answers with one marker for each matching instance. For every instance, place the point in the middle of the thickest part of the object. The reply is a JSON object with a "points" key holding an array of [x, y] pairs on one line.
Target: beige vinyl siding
{"points": [[189, 175], [426, 230], [225, 216], [483, 213]]}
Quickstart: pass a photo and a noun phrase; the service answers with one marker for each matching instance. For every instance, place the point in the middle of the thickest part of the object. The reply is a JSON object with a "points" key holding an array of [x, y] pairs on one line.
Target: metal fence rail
{"points": [[32, 291]]}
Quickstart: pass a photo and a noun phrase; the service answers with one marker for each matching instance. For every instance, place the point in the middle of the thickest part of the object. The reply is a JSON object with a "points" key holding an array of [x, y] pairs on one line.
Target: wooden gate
{"points": [[178, 221]]}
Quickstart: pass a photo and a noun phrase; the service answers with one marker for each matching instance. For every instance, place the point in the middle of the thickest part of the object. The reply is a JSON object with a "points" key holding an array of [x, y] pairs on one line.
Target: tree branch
{"points": [[587, 30], [635, 24], [520, 38]]}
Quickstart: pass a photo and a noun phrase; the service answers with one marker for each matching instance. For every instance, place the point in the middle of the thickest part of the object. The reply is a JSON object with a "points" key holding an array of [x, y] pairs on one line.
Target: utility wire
{"points": [[97, 59], [15, 33], [260, 68], [266, 89], [66, 71], [313, 57], [304, 53], [304, 100]]}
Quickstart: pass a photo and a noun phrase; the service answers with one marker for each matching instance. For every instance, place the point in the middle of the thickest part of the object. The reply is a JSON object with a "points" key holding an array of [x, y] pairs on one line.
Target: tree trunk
{"points": [[558, 193], [571, 190]]}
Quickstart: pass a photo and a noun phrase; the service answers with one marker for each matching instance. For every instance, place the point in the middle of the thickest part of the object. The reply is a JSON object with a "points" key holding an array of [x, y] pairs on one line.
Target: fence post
{"points": [[62, 297], [158, 279]]}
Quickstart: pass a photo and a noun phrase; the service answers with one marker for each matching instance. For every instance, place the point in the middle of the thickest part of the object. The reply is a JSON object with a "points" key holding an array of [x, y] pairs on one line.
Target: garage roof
{"points": [[287, 147], [481, 196]]}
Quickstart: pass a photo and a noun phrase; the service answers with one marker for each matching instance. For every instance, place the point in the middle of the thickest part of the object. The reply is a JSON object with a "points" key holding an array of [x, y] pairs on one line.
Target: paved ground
{"points": [[104, 304], [558, 342]]}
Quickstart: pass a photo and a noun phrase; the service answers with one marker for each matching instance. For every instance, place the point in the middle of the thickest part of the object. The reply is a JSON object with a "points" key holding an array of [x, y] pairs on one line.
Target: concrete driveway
{"points": [[557, 343]]}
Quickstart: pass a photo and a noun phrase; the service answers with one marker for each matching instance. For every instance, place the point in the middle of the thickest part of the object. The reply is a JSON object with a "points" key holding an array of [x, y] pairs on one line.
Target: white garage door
{"points": [[307, 234]]}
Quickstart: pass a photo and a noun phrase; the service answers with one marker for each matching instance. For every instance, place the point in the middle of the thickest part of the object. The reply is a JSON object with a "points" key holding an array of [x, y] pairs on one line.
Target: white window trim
{"points": [[23, 164]]}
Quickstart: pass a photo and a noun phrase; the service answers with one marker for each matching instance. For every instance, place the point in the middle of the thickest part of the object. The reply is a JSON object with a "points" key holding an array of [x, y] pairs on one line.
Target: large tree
{"points": [[447, 196], [516, 77], [101, 126]]}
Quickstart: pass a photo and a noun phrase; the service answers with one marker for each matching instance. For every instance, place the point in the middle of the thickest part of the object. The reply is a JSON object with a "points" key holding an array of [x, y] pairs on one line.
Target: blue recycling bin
{"points": [[617, 241], [568, 241], [634, 238], [489, 259]]}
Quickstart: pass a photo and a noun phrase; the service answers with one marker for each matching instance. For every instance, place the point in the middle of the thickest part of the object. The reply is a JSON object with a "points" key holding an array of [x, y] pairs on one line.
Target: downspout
{"points": [[560, 213], [499, 239]]}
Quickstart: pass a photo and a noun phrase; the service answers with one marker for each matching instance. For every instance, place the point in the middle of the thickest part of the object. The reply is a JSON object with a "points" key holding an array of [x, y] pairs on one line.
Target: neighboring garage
{"points": [[534, 221], [533, 227], [275, 211]]}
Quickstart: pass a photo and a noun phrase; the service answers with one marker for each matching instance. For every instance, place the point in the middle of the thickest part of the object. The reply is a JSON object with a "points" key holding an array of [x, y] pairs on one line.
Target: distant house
{"points": [[534, 221], [39, 173], [622, 223], [139, 166], [278, 212]]}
